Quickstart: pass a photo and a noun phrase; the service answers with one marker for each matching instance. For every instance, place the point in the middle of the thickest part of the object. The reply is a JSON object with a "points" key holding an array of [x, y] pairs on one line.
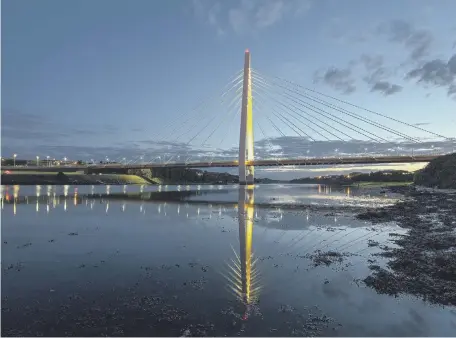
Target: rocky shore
{"points": [[423, 262]]}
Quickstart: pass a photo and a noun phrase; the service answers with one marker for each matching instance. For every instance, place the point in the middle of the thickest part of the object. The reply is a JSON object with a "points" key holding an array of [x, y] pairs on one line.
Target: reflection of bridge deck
{"points": [[256, 163]]}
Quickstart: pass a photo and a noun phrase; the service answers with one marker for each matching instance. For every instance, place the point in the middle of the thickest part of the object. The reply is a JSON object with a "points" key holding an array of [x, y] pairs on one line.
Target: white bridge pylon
{"points": [[246, 151]]}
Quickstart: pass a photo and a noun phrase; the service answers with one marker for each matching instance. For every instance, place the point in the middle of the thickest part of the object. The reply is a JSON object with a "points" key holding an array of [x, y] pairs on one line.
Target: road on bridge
{"points": [[222, 164]]}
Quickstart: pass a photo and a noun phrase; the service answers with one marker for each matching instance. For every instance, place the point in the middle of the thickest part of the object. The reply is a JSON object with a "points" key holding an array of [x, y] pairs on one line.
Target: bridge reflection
{"points": [[161, 201], [243, 277]]}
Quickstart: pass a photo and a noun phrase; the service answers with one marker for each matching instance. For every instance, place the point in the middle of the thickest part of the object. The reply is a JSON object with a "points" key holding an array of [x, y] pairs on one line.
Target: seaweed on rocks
{"points": [[424, 262]]}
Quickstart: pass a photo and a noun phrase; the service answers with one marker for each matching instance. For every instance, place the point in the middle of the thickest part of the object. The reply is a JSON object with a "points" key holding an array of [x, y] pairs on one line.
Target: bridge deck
{"points": [[221, 164]]}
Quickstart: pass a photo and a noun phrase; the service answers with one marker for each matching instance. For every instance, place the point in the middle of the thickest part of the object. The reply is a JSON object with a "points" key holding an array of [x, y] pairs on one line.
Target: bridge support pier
{"points": [[246, 151]]}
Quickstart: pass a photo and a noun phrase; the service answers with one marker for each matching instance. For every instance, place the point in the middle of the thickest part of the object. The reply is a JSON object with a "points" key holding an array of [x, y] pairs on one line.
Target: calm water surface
{"points": [[201, 260]]}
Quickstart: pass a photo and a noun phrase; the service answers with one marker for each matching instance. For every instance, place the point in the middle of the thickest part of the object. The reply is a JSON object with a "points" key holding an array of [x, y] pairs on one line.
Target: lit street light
{"points": [[37, 161], [14, 159]]}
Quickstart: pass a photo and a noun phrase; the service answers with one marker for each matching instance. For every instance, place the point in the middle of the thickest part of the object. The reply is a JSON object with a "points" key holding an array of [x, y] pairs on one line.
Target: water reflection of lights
{"points": [[107, 207], [141, 188], [124, 190], [71, 198], [242, 274]]}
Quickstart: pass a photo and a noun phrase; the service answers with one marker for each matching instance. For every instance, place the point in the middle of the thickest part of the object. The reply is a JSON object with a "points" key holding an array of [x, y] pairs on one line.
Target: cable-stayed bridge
{"points": [[325, 130]]}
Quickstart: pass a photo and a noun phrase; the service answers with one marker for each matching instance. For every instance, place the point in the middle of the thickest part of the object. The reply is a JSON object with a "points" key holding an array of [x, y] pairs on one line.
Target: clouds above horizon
{"points": [[247, 16], [417, 66], [29, 135]]}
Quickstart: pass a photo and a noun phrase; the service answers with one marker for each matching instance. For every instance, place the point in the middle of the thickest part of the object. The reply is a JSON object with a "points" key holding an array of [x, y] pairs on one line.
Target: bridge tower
{"points": [[246, 154]]}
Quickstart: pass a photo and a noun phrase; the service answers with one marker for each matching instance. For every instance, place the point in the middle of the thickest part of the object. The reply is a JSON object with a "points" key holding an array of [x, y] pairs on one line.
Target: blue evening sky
{"points": [[83, 78]]}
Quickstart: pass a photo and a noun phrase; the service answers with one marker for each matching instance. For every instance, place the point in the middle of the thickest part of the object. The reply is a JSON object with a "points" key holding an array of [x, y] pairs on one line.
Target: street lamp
{"points": [[14, 159], [48, 163], [37, 161]]}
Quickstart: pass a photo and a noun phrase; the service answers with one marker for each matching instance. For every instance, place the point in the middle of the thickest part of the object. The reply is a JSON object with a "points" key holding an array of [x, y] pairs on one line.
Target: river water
{"points": [[199, 260]]}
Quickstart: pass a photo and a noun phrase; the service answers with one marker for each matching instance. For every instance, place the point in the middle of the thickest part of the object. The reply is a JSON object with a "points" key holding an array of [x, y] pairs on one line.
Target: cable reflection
{"points": [[242, 275]]}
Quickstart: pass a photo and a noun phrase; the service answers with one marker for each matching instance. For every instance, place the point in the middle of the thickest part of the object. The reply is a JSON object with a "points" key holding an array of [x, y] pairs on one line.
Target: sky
{"points": [[162, 79]]}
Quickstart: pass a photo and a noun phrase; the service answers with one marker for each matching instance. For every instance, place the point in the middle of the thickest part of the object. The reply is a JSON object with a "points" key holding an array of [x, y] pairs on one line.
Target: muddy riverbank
{"points": [[424, 262]]}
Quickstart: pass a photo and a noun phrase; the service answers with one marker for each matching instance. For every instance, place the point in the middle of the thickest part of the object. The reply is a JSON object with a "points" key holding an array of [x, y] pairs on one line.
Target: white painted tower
{"points": [[246, 155]]}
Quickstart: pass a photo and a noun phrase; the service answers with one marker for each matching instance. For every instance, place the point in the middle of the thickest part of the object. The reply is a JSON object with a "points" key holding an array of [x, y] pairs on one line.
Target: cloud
{"points": [[377, 75], [17, 126], [386, 88], [339, 79], [372, 63], [280, 147], [209, 13], [417, 41], [30, 134], [437, 72], [242, 16]]}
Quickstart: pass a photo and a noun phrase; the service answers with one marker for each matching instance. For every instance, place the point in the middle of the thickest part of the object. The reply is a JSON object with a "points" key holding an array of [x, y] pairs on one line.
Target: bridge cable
{"points": [[198, 121], [228, 129], [358, 107], [293, 125], [324, 136], [346, 112], [346, 124], [237, 77], [230, 107], [266, 138], [210, 121], [325, 114], [231, 114]]}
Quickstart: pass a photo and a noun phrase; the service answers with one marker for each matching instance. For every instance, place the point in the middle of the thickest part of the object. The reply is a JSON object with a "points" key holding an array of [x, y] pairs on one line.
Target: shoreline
{"points": [[424, 262]]}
